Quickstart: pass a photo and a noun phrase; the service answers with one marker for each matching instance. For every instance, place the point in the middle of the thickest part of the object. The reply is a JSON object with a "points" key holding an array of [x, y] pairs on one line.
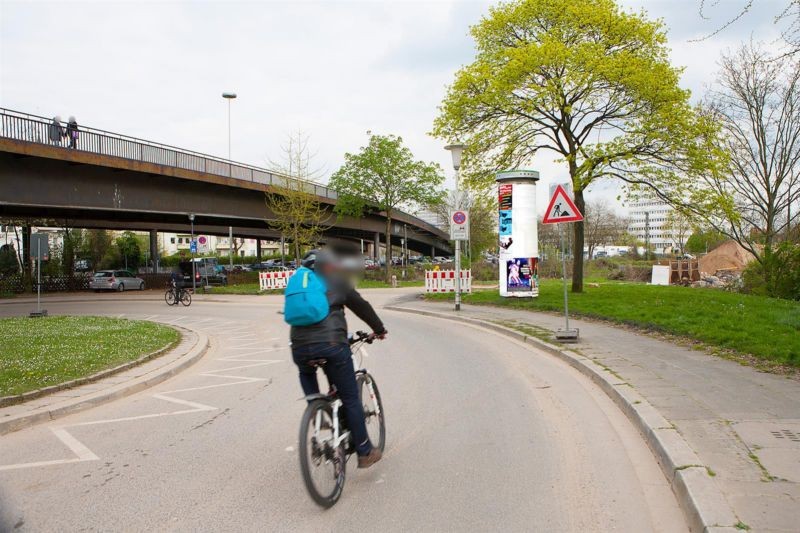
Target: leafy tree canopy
{"points": [[581, 79]]}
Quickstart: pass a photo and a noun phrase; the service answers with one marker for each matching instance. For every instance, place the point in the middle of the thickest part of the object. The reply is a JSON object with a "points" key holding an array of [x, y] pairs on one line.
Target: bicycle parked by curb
{"points": [[325, 442]]}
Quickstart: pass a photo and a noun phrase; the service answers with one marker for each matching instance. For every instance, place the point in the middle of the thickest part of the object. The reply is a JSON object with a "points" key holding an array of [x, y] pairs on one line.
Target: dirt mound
{"points": [[727, 256]]}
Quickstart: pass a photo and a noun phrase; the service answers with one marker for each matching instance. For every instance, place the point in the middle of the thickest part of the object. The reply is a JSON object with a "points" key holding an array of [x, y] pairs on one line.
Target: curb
{"points": [[83, 403], [705, 508]]}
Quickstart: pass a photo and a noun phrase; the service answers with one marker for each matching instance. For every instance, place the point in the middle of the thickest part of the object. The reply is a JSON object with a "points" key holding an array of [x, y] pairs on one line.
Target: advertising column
{"points": [[519, 238]]}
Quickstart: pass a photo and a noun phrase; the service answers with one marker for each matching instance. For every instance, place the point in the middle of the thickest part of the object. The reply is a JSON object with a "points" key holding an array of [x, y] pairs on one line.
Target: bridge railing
{"points": [[37, 129]]}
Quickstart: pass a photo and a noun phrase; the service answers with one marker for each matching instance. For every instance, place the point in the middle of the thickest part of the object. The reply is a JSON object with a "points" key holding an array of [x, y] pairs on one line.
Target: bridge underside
{"points": [[82, 194]]}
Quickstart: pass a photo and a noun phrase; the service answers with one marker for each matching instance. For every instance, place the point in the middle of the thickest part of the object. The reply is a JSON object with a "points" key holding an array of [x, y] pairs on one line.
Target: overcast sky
{"points": [[334, 69]]}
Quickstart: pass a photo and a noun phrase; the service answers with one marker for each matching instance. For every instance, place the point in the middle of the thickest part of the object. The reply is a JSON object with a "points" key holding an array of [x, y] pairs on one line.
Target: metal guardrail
{"points": [[32, 128]]}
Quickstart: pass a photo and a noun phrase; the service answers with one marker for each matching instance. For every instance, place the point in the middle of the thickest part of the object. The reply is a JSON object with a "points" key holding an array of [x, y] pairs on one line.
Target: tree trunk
{"points": [[577, 248], [388, 246]]}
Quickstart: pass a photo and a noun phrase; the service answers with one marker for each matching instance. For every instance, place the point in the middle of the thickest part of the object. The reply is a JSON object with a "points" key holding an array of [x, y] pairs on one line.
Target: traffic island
{"points": [[109, 384], [61, 352]]}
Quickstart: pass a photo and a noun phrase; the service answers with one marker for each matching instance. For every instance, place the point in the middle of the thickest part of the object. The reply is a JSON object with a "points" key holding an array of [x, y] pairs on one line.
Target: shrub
{"points": [[777, 276]]}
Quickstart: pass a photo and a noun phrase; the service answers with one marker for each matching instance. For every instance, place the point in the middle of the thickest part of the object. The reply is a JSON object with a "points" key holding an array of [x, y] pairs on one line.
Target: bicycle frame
{"points": [[340, 436]]}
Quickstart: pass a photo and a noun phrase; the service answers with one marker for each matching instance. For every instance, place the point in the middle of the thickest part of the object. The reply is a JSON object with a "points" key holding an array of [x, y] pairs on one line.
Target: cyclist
{"points": [[327, 340]]}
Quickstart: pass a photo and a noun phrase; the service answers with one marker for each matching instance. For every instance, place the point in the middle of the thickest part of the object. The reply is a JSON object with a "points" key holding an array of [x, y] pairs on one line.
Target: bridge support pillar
{"points": [[258, 250], [26, 257], [154, 249], [433, 252], [376, 246]]}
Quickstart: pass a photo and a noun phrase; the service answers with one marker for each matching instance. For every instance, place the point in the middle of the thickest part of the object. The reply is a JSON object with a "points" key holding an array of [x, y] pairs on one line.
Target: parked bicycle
{"points": [[175, 295], [325, 442]]}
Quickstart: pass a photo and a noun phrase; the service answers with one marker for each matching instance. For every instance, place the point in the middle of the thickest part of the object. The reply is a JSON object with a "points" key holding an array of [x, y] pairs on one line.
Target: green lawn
{"points": [[241, 288], [39, 352], [766, 328]]}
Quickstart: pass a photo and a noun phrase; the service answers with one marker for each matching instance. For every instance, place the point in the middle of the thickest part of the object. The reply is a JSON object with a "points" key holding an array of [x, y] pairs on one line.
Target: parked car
{"points": [[115, 280], [238, 268], [206, 272]]}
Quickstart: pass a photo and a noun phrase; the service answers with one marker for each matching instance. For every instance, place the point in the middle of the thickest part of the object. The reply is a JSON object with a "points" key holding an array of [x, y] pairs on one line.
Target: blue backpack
{"points": [[305, 299]]}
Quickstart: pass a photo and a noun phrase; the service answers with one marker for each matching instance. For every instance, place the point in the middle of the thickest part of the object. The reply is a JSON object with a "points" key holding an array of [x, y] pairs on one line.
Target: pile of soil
{"points": [[729, 256]]}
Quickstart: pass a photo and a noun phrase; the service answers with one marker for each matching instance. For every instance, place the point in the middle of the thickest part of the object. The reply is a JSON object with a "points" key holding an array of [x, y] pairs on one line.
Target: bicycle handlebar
{"points": [[362, 336]]}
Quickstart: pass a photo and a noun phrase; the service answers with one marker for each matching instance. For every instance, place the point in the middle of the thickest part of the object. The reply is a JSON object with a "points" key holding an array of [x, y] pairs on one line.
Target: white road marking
{"points": [[78, 448], [83, 453]]}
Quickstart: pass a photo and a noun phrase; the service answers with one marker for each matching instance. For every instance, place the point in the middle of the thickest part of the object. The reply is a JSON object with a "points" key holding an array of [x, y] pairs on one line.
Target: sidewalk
{"points": [[191, 347], [744, 425]]}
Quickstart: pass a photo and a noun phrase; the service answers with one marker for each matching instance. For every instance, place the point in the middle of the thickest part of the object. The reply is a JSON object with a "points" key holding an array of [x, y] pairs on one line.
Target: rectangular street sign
{"points": [[459, 225], [40, 244], [193, 246]]}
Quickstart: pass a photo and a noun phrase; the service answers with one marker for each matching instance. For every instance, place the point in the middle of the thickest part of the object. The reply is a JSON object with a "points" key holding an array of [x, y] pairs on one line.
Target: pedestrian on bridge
{"points": [[56, 131], [72, 132]]}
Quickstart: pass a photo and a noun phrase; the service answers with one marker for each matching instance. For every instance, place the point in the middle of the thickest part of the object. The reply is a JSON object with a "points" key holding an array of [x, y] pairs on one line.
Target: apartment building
{"points": [[649, 223]]}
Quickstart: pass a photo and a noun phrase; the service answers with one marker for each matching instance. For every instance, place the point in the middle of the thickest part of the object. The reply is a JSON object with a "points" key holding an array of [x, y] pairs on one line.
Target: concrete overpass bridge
{"points": [[114, 181]]}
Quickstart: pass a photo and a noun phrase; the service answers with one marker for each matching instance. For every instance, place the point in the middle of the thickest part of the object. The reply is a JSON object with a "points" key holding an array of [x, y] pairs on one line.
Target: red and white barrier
{"points": [[268, 281], [445, 281]]}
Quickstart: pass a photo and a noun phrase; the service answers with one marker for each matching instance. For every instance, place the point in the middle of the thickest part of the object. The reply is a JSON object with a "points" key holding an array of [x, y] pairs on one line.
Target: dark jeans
{"points": [[340, 372]]}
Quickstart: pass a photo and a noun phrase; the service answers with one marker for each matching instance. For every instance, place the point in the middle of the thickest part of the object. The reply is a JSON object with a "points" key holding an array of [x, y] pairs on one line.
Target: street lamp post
{"points": [[229, 96], [191, 251], [456, 149]]}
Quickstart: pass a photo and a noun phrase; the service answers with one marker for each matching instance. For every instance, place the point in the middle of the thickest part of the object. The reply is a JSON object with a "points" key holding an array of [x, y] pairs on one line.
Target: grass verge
{"points": [[766, 328], [41, 352]]}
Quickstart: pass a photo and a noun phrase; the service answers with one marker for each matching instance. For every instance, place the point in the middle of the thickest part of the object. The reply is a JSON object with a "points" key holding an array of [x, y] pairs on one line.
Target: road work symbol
{"points": [[561, 208]]}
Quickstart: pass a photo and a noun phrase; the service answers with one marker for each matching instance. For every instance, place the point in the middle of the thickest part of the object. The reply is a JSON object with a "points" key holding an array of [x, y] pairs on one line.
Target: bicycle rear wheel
{"points": [[373, 410], [186, 299], [322, 463]]}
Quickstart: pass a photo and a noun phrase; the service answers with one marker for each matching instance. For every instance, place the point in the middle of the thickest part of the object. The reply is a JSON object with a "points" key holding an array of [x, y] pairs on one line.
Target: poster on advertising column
{"points": [[518, 233]]}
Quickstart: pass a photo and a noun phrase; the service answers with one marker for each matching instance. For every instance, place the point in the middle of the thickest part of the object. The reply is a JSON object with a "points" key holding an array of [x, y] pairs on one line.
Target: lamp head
{"points": [[191, 217], [456, 149], [229, 96]]}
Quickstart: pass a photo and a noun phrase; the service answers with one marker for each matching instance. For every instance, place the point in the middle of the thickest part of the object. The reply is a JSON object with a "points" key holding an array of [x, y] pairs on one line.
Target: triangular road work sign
{"points": [[561, 208]]}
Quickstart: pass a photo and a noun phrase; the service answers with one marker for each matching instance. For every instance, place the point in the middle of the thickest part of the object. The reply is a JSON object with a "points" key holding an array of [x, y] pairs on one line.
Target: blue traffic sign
{"points": [[193, 246]]}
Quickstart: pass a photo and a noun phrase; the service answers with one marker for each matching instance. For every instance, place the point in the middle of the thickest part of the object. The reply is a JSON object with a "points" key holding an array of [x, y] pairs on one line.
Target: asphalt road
{"points": [[484, 433]]}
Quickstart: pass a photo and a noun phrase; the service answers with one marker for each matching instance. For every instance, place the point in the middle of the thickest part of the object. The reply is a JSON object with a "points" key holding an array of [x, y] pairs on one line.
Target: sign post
{"points": [[561, 210], [459, 231], [41, 243]]}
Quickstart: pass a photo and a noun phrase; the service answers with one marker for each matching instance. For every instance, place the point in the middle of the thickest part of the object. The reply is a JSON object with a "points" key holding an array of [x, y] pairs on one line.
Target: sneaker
{"points": [[366, 461]]}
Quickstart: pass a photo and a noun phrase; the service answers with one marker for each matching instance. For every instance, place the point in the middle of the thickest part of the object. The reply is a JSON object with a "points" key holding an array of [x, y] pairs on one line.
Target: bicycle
{"points": [[325, 442], [175, 295]]}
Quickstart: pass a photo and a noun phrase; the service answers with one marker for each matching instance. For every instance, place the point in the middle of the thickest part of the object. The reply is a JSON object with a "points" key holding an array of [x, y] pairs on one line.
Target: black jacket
{"points": [[333, 329]]}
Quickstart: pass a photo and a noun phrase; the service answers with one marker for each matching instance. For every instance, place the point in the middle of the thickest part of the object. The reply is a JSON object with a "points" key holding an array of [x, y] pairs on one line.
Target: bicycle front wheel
{"points": [[321, 461], [170, 297], [373, 410], [186, 299]]}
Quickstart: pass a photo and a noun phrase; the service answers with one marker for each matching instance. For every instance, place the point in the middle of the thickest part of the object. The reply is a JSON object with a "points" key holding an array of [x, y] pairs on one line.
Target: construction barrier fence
{"points": [[445, 281], [268, 281]]}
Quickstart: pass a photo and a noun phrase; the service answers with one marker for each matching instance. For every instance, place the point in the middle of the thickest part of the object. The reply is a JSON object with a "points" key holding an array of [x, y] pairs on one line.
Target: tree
{"points": [[128, 248], [384, 176], [603, 225], [580, 79], [294, 208], [96, 246], [702, 240], [679, 226], [785, 15], [9, 265], [757, 102]]}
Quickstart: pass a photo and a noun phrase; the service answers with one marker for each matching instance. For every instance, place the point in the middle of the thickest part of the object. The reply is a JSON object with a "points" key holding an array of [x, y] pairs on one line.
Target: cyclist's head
{"points": [[329, 261], [318, 260]]}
